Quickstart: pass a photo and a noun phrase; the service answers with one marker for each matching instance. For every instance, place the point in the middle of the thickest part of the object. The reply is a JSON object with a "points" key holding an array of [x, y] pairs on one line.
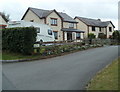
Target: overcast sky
{"points": [[103, 9]]}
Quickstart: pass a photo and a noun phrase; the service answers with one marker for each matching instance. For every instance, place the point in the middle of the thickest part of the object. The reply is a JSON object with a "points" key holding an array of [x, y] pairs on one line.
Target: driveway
{"points": [[69, 72]]}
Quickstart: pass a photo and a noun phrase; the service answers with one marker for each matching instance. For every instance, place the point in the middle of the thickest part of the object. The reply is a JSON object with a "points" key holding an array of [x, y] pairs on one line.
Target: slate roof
{"points": [[40, 12], [66, 17], [44, 13], [94, 22], [72, 30]]}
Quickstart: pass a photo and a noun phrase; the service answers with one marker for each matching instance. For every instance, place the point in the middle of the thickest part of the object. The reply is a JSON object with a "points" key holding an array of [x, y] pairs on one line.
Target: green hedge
{"points": [[19, 39]]}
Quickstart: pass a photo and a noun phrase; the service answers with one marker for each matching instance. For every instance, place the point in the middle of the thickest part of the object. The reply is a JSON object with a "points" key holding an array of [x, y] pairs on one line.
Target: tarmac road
{"points": [[69, 72]]}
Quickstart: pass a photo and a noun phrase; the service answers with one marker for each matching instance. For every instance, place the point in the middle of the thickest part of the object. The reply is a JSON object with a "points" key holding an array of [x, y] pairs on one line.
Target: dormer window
{"points": [[71, 25]]}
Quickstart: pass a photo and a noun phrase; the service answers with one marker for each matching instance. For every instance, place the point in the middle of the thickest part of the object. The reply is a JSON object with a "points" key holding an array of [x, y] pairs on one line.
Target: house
{"points": [[3, 21], [64, 26], [95, 26]]}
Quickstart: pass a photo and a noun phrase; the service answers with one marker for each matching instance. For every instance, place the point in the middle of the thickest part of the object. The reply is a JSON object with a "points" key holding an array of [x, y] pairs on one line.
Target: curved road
{"points": [[69, 72]]}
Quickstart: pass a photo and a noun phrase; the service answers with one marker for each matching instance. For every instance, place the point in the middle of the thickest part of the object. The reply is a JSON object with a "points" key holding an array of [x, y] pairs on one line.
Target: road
{"points": [[69, 72]]}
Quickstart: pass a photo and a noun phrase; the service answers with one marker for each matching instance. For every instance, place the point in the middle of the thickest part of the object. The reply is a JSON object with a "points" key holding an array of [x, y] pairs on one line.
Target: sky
{"points": [[106, 10]]}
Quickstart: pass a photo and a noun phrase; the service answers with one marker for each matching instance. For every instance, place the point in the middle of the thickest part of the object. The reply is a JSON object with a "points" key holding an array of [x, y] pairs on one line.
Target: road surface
{"points": [[69, 72]]}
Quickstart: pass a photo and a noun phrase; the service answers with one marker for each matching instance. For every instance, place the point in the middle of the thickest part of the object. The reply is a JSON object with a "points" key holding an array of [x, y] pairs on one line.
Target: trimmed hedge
{"points": [[20, 40]]}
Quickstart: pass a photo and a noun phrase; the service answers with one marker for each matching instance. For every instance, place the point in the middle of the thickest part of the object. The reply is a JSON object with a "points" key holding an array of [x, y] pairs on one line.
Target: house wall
{"points": [[31, 16], [66, 25], [2, 21], [96, 32], [108, 32], [83, 27], [55, 28]]}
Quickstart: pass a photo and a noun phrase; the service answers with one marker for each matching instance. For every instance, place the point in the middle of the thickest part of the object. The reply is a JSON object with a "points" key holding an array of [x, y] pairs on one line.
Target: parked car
{"points": [[44, 32]]}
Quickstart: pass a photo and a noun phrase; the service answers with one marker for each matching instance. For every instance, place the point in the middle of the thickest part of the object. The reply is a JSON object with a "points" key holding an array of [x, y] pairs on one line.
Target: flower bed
{"points": [[58, 49]]}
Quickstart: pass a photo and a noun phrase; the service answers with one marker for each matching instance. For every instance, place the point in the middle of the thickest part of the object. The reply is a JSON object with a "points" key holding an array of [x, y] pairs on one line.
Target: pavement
{"points": [[68, 72]]}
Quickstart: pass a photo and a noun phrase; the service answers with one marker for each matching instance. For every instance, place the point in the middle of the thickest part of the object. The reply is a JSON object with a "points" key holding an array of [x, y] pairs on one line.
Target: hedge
{"points": [[19, 39]]}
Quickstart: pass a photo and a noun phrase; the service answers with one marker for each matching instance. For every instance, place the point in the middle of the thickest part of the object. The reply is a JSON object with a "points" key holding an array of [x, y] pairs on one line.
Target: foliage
{"points": [[116, 35], [58, 49], [91, 36], [18, 39], [102, 36]]}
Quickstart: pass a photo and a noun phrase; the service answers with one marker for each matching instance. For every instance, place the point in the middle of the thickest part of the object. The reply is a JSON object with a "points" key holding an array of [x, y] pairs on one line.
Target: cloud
{"points": [[104, 9]]}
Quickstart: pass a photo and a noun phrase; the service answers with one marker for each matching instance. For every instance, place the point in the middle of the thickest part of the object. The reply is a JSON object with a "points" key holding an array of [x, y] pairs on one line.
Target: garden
{"points": [[18, 43]]}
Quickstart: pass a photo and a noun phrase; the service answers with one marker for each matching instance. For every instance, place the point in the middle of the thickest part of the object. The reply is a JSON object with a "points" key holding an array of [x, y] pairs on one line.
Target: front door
{"points": [[69, 35]]}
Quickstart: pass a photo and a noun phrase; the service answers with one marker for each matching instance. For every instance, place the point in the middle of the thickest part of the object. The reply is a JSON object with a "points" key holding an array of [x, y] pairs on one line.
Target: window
{"points": [[110, 29], [53, 21], [77, 35], [38, 30], [49, 32], [56, 35], [31, 20], [71, 25], [100, 29], [93, 28]]}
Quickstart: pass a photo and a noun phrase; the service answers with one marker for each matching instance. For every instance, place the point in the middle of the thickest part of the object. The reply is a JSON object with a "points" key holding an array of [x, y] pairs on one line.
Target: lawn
{"points": [[14, 56], [107, 79]]}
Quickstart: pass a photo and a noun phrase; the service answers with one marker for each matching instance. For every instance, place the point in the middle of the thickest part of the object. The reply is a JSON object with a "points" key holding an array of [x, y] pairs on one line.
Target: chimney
{"points": [[99, 19]]}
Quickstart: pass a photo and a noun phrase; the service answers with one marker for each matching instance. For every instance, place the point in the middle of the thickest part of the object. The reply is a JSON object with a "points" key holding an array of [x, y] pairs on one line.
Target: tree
{"points": [[116, 35]]}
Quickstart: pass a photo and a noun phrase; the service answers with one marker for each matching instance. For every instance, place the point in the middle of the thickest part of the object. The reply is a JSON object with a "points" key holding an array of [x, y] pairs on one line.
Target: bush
{"points": [[102, 36], [91, 36], [116, 35], [18, 39]]}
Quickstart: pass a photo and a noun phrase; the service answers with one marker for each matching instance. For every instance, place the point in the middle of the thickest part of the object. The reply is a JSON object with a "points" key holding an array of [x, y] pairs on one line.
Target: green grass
{"points": [[107, 79], [16, 56]]}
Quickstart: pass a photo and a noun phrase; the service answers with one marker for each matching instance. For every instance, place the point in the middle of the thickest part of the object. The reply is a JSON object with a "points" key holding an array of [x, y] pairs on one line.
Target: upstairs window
{"points": [[93, 28], [110, 29], [100, 29], [31, 20], [53, 21], [71, 25]]}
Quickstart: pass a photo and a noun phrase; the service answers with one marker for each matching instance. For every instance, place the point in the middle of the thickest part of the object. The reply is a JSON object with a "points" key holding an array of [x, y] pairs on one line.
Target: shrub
{"points": [[19, 40], [91, 36], [102, 36], [116, 35]]}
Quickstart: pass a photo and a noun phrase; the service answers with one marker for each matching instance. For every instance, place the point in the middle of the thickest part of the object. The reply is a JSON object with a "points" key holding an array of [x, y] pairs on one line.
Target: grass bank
{"points": [[107, 79]]}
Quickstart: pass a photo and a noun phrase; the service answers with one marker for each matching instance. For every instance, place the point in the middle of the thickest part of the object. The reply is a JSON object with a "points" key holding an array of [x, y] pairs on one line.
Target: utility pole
{"points": [[119, 15]]}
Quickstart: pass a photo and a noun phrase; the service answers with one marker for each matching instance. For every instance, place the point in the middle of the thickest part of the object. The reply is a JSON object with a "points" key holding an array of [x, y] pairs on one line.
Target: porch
{"points": [[72, 34]]}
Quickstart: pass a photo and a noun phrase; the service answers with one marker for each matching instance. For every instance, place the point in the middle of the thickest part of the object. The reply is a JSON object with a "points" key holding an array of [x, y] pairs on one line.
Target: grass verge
{"points": [[107, 79], [16, 56]]}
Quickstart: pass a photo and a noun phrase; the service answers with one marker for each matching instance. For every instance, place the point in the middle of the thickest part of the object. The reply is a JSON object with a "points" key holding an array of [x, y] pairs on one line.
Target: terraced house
{"points": [[95, 26], [64, 26]]}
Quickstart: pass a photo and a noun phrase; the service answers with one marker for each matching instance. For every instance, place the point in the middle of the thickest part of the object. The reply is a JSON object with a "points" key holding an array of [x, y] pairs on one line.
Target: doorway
{"points": [[69, 35]]}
